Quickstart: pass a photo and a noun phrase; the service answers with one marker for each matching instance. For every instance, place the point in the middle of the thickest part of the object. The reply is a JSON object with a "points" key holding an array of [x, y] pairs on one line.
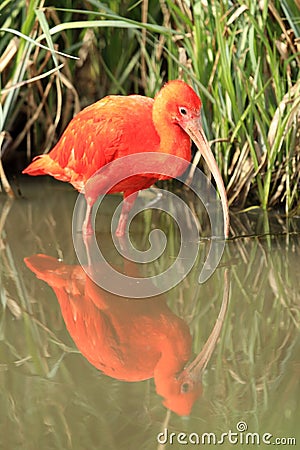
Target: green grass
{"points": [[243, 61]]}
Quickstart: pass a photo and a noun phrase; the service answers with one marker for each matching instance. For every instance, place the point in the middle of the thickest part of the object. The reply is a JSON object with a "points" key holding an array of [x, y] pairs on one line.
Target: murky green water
{"points": [[83, 369]]}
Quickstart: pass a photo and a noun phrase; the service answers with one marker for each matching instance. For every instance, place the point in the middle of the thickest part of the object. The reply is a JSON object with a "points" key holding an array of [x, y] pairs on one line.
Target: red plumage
{"points": [[96, 136], [118, 126]]}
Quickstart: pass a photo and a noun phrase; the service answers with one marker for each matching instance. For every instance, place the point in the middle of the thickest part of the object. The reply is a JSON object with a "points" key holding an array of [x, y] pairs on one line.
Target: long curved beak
{"points": [[194, 129]]}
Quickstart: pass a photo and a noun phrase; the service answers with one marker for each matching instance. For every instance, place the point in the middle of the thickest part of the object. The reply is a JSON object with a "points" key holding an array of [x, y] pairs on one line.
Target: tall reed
{"points": [[242, 57]]}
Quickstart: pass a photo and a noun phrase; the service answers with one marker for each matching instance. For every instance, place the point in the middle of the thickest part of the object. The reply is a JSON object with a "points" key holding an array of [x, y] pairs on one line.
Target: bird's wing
{"points": [[111, 128]]}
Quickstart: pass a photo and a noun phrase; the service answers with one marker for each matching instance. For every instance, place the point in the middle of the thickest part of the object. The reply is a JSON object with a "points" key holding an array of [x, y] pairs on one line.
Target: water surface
{"points": [[82, 369]]}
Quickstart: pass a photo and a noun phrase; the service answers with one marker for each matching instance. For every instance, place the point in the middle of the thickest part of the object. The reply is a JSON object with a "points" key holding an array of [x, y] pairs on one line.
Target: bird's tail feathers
{"points": [[39, 166]]}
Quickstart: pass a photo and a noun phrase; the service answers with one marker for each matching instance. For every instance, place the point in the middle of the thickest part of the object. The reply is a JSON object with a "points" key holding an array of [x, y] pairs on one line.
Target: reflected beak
{"points": [[196, 368], [194, 129]]}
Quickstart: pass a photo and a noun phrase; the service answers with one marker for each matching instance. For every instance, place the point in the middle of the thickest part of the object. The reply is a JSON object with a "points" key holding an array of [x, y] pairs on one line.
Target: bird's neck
{"points": [[174, 141], [175, 352]]}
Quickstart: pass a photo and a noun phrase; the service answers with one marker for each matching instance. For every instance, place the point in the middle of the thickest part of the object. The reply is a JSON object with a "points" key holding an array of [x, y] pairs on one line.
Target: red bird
{"points": [[118, 126]]}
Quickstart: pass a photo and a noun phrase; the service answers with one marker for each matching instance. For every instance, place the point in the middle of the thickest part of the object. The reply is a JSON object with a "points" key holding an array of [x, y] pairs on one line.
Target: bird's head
{"points": [[180, 392], [177, 104]]}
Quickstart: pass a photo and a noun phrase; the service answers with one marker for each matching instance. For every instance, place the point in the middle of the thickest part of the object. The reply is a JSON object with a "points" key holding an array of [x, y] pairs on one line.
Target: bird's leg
{"points": [[88, 236], [87, 228], [127, 205]]}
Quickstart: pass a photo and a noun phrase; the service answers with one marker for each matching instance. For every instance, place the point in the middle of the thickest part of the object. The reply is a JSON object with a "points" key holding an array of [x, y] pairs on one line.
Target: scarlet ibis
{"points": [[130, 339], [117, 126]]}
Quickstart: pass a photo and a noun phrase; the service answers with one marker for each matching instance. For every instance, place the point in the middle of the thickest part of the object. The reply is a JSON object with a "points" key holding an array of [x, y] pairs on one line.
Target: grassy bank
{"points": [[242, 57]]}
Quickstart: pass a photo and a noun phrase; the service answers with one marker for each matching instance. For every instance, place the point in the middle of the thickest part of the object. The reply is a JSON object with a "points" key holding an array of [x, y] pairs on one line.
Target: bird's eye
{"points": [[185, 387], [182, 111]]}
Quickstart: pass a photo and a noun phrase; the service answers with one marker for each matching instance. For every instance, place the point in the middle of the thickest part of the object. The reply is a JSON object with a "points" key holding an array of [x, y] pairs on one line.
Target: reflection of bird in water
{"points": [[118, 126], [129, 339]]}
